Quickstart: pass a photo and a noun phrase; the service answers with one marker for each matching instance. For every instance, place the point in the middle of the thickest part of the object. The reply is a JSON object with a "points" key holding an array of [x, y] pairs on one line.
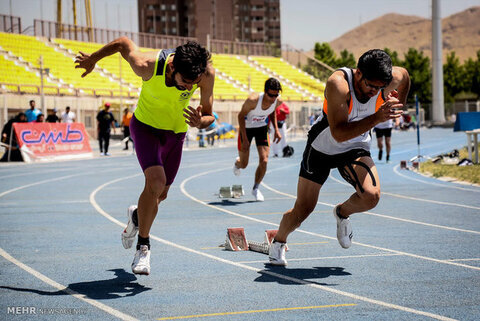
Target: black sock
{"points": [[135, 217], [143, 241], [380, 152], [255, 186], [388, 157]]}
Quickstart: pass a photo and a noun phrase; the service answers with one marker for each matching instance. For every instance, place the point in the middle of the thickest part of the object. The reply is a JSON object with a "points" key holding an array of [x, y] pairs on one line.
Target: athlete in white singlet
{"points": [[358, 99], [253, 120]]}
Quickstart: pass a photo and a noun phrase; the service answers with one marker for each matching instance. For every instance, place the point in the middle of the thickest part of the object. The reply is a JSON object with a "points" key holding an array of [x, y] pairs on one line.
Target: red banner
{"points": [[52, 140]]}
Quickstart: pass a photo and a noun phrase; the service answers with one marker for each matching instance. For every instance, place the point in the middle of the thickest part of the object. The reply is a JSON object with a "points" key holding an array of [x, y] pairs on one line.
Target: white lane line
{"points": [[38, 183], [415, 198], [328, 257], [277, 275], [395, 169], [49, 281], [381, 215], [472, 259], [182, 187], [65, 289]]}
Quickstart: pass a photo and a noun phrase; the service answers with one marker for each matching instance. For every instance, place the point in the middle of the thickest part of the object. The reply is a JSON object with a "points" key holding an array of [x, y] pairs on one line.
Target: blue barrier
{"points": [[467, 121]]}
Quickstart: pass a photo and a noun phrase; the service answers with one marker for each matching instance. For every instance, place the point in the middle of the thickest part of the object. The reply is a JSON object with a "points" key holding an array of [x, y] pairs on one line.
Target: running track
{"points": [[415, 256]]}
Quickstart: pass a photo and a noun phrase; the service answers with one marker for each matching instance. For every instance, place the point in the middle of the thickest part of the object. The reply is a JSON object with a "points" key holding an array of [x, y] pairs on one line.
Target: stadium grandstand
{"points": [[41, 67]]}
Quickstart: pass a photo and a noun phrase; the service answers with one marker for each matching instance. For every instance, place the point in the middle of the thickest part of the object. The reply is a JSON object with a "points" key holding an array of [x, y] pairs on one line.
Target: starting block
{"points": [[234, 191], [226, 192], [237, 191], [237, 241], [404, 165]]}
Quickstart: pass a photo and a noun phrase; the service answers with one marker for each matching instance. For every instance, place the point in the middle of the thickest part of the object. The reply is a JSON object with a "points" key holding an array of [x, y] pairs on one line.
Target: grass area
{"points": [[464, 173]]}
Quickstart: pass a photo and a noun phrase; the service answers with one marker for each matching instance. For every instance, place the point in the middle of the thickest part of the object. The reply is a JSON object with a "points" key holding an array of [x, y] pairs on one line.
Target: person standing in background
{"points": [[282, 112], [384, 130], [32, 113], [105, 120], [68, 116], [52, 116], [127, 116]]}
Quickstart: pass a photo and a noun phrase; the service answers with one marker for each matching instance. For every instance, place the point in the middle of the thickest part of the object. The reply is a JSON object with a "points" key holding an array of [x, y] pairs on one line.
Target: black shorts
{"points": [[380, 132], [260, 134], [316, 166]]}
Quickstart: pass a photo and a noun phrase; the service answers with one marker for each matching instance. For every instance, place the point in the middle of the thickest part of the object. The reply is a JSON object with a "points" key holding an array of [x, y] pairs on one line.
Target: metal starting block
{"points": [[226, 192], [235, 191], [237, 241]]}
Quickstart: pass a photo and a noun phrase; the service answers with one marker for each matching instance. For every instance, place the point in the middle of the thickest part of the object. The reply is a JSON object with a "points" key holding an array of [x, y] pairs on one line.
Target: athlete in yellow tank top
{"points": [[159, 123]]}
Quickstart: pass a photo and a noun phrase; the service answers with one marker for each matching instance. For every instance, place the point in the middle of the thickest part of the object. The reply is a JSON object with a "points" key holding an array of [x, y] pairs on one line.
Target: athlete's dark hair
{"points": [[376, 65], [191, 60], [272, 84]]}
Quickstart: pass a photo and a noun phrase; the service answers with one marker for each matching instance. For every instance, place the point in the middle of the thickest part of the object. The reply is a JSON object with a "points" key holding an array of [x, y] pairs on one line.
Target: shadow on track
{"points": [[102, 289], [306, 275]]}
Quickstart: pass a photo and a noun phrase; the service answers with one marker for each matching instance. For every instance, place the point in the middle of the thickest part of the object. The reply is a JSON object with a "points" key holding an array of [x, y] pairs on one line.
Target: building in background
{"points": [[230, 20]]}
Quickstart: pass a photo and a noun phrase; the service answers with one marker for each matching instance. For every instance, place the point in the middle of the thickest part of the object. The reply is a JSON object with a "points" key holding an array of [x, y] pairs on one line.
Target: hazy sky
{"points": [[304, 22]]}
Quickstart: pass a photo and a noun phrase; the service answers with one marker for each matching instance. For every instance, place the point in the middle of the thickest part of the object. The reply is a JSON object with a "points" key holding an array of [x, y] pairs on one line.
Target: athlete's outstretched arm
{"points": [[143, 64]]}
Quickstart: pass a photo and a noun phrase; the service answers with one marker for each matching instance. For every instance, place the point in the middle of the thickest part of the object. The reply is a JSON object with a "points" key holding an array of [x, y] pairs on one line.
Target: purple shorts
{"points": [[157, 147]]}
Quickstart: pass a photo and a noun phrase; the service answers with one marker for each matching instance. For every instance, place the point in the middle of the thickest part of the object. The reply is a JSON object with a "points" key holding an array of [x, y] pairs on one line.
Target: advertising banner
{"points": [[50, 141]]}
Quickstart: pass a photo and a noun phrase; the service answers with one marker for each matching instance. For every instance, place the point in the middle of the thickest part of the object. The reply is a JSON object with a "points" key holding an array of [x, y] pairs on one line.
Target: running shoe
{"points": [[344, 230], [258, 195], [128, 235], [141, 261], [236, 170], [276, 253]]}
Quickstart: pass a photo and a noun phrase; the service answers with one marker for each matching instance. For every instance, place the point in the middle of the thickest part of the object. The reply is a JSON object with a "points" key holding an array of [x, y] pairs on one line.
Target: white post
{"points": [[42, 96], [478, 105], [466, 106], [5, 109], [438, 108]]}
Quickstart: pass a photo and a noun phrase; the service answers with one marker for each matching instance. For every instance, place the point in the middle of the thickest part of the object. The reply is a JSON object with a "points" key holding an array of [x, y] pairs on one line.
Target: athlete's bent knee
{"points": [[163, 196], [371, 198]]}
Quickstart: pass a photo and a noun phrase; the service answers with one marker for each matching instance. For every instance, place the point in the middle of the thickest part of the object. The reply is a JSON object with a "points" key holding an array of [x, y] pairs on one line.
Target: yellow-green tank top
{"points": [[160, 106]]}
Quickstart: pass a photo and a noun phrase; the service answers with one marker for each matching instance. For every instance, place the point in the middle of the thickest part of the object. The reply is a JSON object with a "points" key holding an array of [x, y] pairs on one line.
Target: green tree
{"points": [[346, 60], [472, 75], [394, 55], [453, 77], [325, 53], [418, 66]]}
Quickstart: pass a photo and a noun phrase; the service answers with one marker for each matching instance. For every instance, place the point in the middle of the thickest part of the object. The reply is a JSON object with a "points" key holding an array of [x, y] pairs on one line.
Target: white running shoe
{"points": [[236, 170], [258, 195], [128, 235], [344, 230], [141, 261], [276, 254], [102, 154]]}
